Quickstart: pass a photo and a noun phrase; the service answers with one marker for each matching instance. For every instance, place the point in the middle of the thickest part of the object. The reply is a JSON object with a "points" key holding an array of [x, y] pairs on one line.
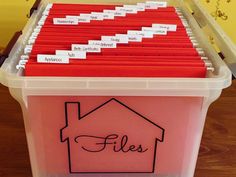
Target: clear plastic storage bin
{"points": [[127, 127]]}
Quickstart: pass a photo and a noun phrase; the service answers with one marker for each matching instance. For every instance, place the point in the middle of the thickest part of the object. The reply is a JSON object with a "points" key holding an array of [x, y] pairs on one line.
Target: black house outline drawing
{"points": [[84, 116]]}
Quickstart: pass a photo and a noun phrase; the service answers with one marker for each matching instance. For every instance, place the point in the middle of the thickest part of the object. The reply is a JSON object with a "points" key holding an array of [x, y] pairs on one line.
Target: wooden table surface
{"points": [[217, 156]]}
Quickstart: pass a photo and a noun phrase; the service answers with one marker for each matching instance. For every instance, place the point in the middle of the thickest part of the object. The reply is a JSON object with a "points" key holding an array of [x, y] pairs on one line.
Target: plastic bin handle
{"points": [[35, 7], [10, 45], [211, 28]]}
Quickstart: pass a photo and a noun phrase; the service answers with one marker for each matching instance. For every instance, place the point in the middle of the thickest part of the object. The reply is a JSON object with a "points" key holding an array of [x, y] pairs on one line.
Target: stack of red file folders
{"points": [[142, 40]]}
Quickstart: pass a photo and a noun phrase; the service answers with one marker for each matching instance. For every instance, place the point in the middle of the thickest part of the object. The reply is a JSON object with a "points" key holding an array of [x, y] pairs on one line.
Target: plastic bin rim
{"points": [[222, 82]]}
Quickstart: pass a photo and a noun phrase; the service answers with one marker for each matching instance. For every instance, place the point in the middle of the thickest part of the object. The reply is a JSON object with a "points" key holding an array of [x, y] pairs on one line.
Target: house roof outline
{"points": [[103, 104]]}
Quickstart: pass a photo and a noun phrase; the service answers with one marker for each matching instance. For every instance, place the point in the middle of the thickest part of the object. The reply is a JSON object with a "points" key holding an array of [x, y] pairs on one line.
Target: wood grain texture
{"points": [[217, 156]]}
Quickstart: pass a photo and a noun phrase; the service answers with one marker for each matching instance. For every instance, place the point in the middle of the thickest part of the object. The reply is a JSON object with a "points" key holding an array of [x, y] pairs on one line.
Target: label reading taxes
{"points": [[52, 59], [123, 39], [65, 21], [79, 18], [155, 30], [72, 54], [165, 26], [86, 48], [103, 44], [145, 34]]}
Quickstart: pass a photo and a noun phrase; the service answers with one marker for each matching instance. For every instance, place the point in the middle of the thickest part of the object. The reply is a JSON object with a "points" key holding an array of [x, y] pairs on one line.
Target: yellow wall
{"points": [[13, 16], [228, 25]]}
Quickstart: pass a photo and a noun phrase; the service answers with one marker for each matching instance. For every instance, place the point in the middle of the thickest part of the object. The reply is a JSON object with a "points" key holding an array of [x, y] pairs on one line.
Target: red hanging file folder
{"points": [[171, 55], [114, 71]]}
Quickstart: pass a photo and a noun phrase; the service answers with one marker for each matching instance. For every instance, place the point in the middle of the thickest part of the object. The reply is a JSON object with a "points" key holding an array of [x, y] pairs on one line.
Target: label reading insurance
{"points": [[52, 59], [72, 54], [103, 44], [86, 48], [65, 21]]}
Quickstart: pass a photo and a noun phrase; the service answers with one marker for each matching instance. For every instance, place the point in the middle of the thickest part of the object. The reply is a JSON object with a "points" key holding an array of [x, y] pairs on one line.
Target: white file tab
{"points": [[105, 15], [108, 16], [141, 5], [86, 48], [79, 18], [120, 39], [158, 3], [93, 16], [65, 21], [116, 13], [149, 5], [137, 7], [28, 49], [145, 34], [127, 10], [134, 38], [155, 30], [52, 59], [72, 54], [168, 27], [103, 44], [24, 57]]}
